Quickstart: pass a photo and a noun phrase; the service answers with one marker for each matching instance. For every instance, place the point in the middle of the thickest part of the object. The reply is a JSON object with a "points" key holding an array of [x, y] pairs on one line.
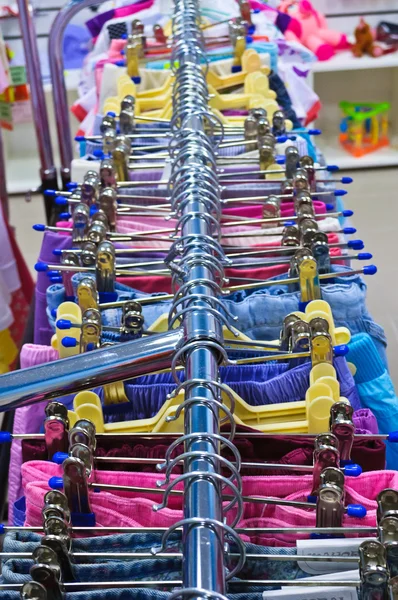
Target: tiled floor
{"points": [[374, 198]]}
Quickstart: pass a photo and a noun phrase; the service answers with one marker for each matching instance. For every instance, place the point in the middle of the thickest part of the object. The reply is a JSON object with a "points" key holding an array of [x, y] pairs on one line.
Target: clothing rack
{"points": [[200, 339], [199, 342], [56, 61]]}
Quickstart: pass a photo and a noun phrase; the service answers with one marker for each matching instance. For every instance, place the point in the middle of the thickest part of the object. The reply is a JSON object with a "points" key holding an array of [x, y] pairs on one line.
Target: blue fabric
{"points": [[17, 570], [19, 512], [376, 390], [276, 84], [261, 312]]}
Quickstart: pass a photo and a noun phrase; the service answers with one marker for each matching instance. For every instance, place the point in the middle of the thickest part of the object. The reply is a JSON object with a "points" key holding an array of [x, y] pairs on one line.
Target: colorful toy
{"points": [[364, 127], [364, 43], [314, 31]]}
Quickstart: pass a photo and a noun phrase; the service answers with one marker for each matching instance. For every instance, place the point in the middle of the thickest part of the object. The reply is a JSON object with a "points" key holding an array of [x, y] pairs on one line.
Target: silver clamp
{"points": [[56, 426], [330, 500], [373, 571]]}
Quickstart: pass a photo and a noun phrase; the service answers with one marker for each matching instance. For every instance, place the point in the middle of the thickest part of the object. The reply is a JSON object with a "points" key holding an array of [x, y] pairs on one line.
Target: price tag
{"points": [[319, 593], [331, 548]]}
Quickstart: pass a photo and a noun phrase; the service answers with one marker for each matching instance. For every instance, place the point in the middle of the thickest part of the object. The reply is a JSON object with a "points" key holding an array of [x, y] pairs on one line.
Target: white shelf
{"points": [[22, 174], [71, 79], [336, 155], [345, 61]]}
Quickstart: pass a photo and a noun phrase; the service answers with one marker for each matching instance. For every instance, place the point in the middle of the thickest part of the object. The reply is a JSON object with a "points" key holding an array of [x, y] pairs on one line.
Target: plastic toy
{"points": [[364, 127], [314, 31], [364, 43]]}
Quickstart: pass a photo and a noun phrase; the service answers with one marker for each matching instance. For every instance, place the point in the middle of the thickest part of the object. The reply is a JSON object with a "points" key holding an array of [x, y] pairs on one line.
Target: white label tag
{"points": [[319, 593], [310, 593], [331, 548]]}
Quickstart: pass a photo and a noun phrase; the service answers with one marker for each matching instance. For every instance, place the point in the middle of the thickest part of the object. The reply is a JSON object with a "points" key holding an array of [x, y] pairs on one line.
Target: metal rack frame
{"points": [[198, 343], [48, 172]]}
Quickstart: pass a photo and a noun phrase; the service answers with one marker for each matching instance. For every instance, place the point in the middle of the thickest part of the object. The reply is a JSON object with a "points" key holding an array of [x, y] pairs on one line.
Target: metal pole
{"points": [[3, 181], [194, 167], [85, 371], [48, 172], [60, 98]]}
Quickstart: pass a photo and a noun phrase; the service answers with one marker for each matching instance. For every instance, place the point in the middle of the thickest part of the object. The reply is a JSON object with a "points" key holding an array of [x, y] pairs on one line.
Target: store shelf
{"points": [[71, 78], [22, 174], [336, 155], [345, 61]]}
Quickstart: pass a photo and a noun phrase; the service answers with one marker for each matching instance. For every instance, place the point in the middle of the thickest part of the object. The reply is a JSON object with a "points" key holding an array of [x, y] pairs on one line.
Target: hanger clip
{"points": [[56, 426], [132, 318], [373, 571], [80, 219], [326, 454], [342, 426], [292, 160], [91, 329], [105, 270], [87, 295], [107, 173], [330, 500]]}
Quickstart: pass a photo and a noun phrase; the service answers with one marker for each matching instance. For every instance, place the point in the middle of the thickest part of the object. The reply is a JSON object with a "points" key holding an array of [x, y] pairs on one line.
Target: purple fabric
{"points": [[95, 24], [365, 421], [51, 241], [283, 21]]}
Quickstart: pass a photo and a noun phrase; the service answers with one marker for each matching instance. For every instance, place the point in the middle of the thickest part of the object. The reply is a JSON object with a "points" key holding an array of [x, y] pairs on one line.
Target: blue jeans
{"points": [[17, 570]]}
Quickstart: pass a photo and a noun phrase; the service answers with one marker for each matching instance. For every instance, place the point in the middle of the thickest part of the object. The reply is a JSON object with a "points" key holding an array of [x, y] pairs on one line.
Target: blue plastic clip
{"points": [[356, 244], [356, 510], [352, 470], [59, 457], [370, 270], [41, 267], [341, 350], [69, 342]]}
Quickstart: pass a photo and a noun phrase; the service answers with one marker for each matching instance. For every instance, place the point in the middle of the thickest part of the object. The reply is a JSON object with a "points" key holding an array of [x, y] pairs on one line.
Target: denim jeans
{"points": [[17, 570]]}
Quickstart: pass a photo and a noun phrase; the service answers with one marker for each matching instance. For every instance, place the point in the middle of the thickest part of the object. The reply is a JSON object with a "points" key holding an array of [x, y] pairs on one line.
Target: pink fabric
{"points": [[27, 419], [135, 508]]}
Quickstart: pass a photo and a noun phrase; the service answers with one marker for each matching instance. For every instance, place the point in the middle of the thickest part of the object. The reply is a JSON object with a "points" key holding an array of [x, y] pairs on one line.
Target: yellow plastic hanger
{"points": [[320, 308], [72, 312], [308, 416], [113, 392], [251, 62], [258, 83]]}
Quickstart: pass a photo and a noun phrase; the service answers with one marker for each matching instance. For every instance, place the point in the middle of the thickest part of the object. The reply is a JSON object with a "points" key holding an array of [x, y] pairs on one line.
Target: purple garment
{"points": [[43, 331], [365, 421], [51, 241], [95, 24]]}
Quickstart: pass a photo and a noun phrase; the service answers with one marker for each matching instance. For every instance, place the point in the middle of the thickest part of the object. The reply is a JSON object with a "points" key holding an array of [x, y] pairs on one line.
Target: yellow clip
{"points": [[258, 83], [132, 59], [251, 62], [320, 308], [71, 312]]}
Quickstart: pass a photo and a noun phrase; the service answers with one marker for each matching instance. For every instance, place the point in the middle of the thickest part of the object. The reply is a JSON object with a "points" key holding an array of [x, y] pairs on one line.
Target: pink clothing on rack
{"points": [[28, 419], [124, 508]]}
